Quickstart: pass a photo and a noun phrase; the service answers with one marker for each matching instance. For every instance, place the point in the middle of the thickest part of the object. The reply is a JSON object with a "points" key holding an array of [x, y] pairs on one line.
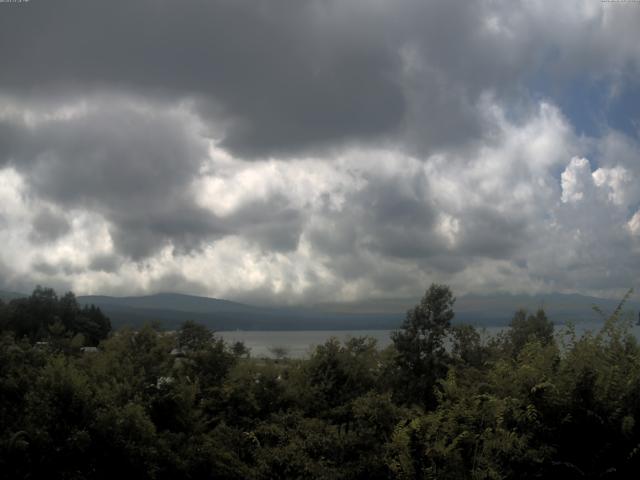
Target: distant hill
{"points": [[560, 308], [8, 296], [498, 309], [172, 309]]}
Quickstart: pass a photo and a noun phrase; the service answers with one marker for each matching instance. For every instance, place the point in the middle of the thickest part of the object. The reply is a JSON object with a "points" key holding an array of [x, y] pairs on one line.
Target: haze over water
{"points": [[300, 343]]}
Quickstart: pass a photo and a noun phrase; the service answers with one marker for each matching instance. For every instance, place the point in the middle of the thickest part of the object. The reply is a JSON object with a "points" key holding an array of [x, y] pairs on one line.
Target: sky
{"points": [[310, 151]]}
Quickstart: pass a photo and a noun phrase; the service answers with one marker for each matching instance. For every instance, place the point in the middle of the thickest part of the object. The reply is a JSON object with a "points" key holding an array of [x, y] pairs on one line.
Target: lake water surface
{"points": [[300, 343]]}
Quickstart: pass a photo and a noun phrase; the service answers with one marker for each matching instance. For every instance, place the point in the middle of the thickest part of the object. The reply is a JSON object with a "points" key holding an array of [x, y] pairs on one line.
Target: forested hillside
{"points": [[533, 402]]}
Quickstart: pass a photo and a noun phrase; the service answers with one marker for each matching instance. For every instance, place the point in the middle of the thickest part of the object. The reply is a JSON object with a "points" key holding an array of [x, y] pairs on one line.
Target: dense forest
{"points": [[79, 401]]}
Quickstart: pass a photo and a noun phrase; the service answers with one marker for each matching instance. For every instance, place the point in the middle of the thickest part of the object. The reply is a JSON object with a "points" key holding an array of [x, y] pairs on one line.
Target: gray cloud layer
{"points": [[286, 76], [314, 150]]}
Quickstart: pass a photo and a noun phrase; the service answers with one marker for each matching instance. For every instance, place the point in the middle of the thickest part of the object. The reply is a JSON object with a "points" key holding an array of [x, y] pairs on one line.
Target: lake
{"points": [[300, 343]]}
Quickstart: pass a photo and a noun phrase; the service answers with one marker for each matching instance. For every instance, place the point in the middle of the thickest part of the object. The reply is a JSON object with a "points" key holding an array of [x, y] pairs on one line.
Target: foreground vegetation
{"points": [[147, 404]]}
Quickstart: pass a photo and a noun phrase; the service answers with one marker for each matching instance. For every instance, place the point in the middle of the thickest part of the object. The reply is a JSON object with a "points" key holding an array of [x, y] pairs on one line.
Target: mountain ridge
{"points": [[171, 309], [480, 310]]}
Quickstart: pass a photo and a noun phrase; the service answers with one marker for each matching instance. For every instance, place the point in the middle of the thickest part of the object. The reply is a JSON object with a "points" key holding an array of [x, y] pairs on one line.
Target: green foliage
{"points": [[525, 328], [240, 350], [421, 358], [467, 347], [193, 336], [439, 403], [336, 374], [43, 317]]}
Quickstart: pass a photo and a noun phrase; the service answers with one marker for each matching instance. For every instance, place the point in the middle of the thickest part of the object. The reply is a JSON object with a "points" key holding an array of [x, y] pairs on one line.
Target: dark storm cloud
{"points": [[122, 160], [132, 168], [383, 231], [184, 226], [487, 232], [135, 168], [18, 282], [392, 216], [387, 233], [272, 223], [284, 75], [117, 160], [399, 216], [11, 137], [48, 226], [178, 283], [53, 269], [107, 263]]}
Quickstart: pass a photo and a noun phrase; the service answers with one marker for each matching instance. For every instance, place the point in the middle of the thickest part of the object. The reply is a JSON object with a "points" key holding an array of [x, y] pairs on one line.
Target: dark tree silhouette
{"points": [[421, 358]]}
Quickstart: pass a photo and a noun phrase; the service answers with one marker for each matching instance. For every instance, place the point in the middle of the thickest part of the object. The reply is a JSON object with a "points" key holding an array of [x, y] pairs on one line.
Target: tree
{"points": [[240, 350], [421, 357], [207, 357], [194, 336], [336, 373], [279, 352], [93, 324], [534, 327], [32, 315], [467, 346], [3, 316]]}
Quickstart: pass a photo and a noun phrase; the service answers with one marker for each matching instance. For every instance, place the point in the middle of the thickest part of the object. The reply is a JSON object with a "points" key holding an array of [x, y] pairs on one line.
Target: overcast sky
{"points": [[303, 151]]}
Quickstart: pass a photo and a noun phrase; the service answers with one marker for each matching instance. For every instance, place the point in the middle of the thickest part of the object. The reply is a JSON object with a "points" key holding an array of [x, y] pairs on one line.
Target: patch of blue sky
{"points": [[593, 105], [623, 110], [596, 105]]}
